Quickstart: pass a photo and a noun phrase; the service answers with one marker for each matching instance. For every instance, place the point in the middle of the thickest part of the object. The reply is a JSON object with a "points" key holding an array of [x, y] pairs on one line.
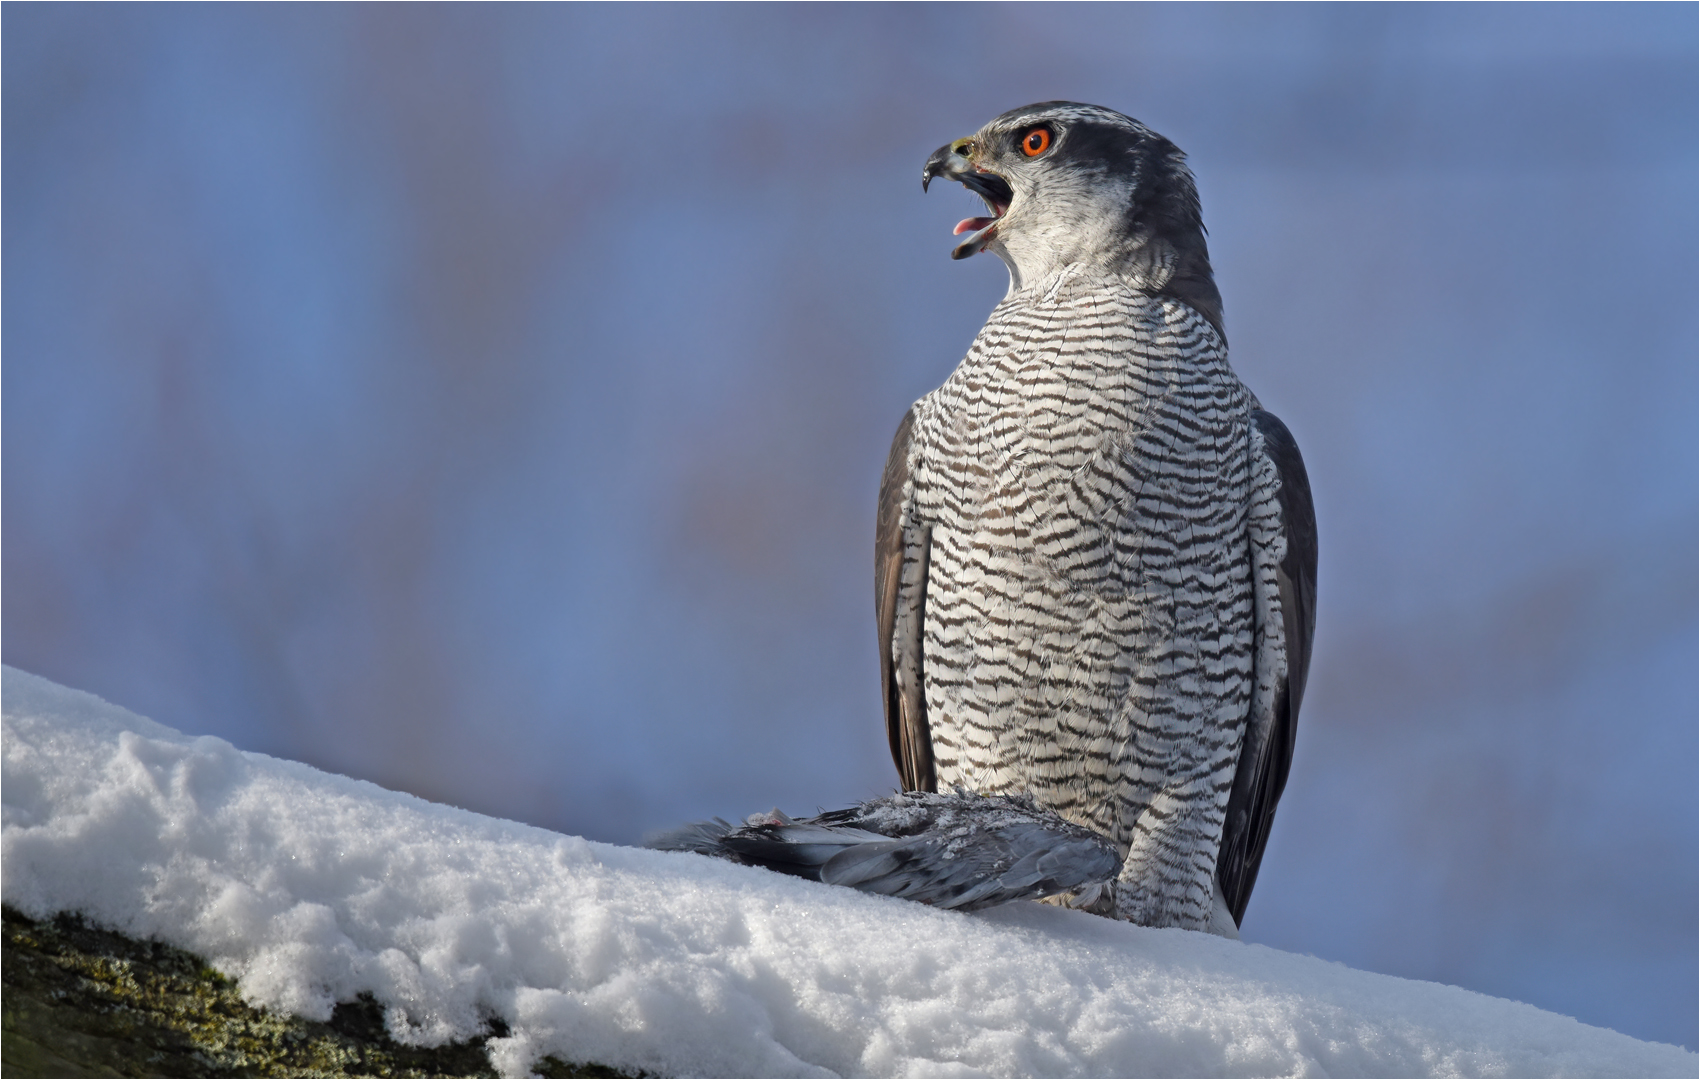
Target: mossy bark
{"points": [[80, 1001]]}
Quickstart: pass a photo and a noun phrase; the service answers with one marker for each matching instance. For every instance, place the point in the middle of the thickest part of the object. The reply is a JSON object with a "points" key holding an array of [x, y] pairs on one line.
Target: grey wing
{"points": [[982, 870], [956, 851], [1283, 644], [900, 589]]}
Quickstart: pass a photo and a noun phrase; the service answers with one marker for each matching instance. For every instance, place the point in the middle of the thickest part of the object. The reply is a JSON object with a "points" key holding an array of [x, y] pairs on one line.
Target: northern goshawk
{"points": [[1095, 564]]}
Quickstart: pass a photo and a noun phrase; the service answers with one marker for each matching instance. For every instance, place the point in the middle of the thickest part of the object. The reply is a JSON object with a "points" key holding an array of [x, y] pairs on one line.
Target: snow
{"points": [[309, 888]]}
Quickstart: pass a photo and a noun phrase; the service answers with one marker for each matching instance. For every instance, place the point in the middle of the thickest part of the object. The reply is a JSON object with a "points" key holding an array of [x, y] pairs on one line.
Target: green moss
{"points": [[80, 1001]]}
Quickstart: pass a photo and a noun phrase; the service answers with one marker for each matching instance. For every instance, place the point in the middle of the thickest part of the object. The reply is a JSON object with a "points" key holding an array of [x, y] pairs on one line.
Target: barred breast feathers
{"points": [[1082, 479]]}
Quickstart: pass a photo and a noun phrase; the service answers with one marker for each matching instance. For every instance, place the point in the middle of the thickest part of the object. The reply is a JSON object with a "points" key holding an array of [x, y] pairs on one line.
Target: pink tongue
{"points": [[973, 224]]}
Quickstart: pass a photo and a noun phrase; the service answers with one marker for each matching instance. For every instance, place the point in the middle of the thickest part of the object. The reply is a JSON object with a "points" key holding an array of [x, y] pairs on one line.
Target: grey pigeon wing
{"points": [[794, 847], [700, 837], [987, 854], [960, 851], [913, 869]]}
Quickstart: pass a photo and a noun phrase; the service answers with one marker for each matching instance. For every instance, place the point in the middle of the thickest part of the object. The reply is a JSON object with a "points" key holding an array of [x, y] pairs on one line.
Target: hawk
{"points": [[1095, 561]]}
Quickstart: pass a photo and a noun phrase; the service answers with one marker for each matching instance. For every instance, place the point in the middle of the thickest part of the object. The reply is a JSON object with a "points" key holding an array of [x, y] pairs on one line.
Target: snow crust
{"points": [[309, 888]]}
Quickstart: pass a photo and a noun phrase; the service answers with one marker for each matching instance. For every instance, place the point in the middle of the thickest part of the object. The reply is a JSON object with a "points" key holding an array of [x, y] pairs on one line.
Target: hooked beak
{"points": [[951, 162]]}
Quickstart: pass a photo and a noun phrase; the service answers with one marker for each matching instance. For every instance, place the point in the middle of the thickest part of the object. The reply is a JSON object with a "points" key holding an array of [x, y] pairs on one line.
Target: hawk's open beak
{"points": [[951, 162]]}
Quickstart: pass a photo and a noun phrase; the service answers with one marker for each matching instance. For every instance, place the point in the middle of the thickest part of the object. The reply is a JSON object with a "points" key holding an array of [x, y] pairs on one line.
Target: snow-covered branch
{"points": [[310, 889]]}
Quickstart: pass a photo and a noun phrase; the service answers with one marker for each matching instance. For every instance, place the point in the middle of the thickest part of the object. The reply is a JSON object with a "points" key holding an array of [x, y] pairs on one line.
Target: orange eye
{"points": [[1036, 142]]}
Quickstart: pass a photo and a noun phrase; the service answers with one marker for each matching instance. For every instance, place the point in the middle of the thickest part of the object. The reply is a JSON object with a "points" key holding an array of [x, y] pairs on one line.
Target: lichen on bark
{"points": [[82, 1001]]}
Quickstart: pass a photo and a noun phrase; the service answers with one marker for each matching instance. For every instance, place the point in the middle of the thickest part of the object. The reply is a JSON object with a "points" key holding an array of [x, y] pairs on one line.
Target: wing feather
{"points": [[1266, 750], [900, 589]]}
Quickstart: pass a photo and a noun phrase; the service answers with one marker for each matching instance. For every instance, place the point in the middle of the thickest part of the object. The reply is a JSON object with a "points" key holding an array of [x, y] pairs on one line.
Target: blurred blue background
{"points": [[490, 402]]}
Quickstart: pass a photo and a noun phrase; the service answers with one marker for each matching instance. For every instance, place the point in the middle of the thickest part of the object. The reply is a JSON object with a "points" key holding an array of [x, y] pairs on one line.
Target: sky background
{"points": [[490, 402]]}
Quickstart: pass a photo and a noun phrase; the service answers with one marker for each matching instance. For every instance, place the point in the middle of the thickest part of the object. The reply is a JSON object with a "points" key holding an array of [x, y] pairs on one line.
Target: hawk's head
{"points": [[1081, 186]]}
